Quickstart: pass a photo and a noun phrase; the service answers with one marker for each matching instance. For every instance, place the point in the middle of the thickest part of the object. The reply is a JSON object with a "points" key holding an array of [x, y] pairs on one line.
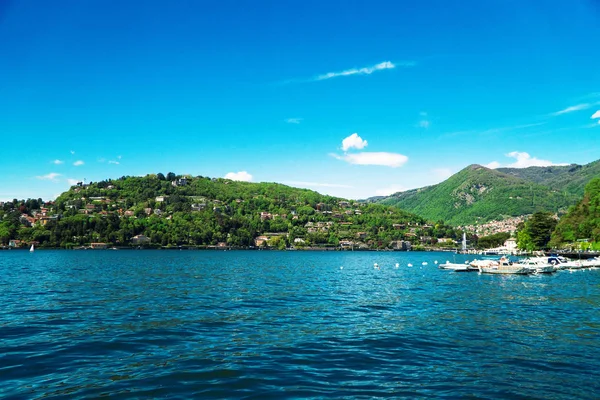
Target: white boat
{"points": [[31, 248], [455, 267], [591, 262], [502, 266], [538, 266], [564, 263]]}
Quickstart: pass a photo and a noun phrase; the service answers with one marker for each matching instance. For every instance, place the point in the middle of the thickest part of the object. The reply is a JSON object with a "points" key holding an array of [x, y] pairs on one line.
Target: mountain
{"points": [[583, 220], [198, 211], [569, 178], [480, 194]]}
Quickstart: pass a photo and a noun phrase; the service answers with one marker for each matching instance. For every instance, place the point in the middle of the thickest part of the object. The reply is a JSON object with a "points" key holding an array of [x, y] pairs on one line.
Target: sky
{"points": [[349, 98]]}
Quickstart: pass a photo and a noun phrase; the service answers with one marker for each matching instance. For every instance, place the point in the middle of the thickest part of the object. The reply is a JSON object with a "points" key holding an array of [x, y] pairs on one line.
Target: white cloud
{"points": [[119, 157], [390, 190], [101, 160], [114, 162], [317, 184], [293, 120], [523, 160], [72, 181], [239, 176], [72, 152], [78, 163], [574, 108], [58, 162], [353, 142], [493, 165], [52, 176], [424, 122], [442, 173], [364, 71], [596, 115], [393, 160]]}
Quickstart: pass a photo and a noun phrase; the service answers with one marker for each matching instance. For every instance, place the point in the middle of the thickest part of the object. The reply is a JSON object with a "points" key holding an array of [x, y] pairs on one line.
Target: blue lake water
{"points": [[189, 324]]}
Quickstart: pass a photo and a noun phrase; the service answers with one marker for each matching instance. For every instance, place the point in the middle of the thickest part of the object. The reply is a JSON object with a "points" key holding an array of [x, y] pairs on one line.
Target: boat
{"points": [[591, 262], [32, 248], [502, 266], [537, 265], [455, 267], [564, 263]]}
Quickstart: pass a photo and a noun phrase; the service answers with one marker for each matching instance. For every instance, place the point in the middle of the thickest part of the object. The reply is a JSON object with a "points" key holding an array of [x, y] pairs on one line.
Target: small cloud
{"points": [[114, 162], [424, 122], [388, 191], [393, 160], [239, 176], [72, 152], [317, 184], [596, 115], [119, 157], [73, 182], [58, 162], [52, 176], [353, 142], [442, 173], [78, 163], [493, 165], [578, 107], [366, 70], [293, 120], [101, 160]]}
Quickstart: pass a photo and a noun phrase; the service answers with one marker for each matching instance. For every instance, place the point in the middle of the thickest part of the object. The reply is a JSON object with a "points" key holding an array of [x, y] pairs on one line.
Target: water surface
{"points": [[183, 324]]}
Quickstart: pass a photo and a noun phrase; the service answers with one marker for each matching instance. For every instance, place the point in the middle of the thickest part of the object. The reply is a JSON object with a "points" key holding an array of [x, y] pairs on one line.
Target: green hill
{"points": [[583, 220], [569, 178], [199, 211], [480, 194]]}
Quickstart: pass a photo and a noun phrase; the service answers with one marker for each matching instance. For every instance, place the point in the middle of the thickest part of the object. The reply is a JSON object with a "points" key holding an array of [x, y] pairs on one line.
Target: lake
{"points": [[267, 324]]}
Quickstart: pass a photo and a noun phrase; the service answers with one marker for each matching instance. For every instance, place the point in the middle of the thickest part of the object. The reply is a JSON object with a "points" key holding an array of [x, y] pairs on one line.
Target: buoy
{"points": [[424, 263], [410, 265], [397, 265], [435, 262], [376, 266], [341, 267]]}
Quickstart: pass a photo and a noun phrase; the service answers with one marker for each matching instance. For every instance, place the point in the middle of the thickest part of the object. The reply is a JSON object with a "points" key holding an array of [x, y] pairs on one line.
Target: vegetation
{"points": [[175, 210], [580, 227], [478, 194], [570, 179], [491, 241], [535, 233]]}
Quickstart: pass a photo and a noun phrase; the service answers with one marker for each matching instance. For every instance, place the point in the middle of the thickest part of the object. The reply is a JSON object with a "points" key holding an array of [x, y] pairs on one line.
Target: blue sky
{"points": [[269, 90]]}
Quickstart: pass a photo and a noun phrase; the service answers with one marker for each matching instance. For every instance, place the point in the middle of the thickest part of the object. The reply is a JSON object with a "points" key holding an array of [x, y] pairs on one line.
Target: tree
{"points": [[160, 176], [171, 176], [540, 227], [536, 232]]}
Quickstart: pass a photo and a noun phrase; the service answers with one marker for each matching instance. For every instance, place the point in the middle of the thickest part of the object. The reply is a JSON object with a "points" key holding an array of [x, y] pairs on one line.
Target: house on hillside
{"points": [[140, 239], [15, 243], [261, 241], [179, 182]]}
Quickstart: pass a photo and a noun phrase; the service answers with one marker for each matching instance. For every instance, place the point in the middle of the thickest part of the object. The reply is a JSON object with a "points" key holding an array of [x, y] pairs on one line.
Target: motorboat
{"points": [[537, 266], [455, 267], [502, 266]]}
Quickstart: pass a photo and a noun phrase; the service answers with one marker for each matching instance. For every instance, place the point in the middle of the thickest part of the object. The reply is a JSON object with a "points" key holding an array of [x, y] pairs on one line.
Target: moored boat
{"points": [[502, 266], [455, 267]]}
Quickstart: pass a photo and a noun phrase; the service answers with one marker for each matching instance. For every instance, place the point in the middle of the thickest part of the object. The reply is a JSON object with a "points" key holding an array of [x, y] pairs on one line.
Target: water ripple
{"points": [[288, 325]]}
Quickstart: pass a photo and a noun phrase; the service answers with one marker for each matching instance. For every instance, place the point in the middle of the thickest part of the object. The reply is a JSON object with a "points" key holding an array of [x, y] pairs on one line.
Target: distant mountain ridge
{"points": [[479, 194]]}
